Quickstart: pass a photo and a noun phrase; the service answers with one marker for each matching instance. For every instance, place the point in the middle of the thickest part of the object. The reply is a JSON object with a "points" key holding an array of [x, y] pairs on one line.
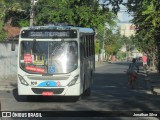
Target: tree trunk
{"points": [[153, 62]]}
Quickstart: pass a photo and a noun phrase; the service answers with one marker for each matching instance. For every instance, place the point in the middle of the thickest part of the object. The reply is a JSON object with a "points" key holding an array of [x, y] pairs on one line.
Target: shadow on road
{"points": [[121, 63], [114, 89], [110, 91]]}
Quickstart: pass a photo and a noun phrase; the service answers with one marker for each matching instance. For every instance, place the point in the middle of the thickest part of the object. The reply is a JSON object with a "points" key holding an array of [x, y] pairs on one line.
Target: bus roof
{"points": [[52, 27]]}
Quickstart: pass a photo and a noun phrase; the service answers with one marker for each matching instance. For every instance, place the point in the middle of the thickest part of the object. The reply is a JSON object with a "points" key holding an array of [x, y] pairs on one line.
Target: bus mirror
{"points": [[13, 46]]}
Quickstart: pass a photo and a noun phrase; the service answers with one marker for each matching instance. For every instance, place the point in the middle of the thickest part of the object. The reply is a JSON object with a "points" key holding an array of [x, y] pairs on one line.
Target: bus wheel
{"points": [[79, 98], [92, 78], [88, 92]]}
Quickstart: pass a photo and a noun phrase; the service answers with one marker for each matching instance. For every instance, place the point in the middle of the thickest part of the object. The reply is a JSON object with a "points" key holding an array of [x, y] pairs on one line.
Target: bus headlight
{"points": [[73, 81], [22, 80]]}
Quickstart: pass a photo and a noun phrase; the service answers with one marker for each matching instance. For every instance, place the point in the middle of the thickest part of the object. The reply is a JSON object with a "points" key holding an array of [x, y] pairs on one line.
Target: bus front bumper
{"points": [[73, 90]]}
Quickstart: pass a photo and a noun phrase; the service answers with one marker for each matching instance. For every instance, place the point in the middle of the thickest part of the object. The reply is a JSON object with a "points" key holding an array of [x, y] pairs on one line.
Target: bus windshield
{"points": [[48, 57]]}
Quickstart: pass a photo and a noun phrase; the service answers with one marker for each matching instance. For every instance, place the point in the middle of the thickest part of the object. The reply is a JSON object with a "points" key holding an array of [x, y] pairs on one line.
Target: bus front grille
{"points": [[54, 90], [48, 77]]}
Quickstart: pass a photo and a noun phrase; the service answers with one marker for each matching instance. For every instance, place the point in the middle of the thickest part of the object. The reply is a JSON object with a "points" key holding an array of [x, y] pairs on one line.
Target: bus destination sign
{"points": [[49, 34]]}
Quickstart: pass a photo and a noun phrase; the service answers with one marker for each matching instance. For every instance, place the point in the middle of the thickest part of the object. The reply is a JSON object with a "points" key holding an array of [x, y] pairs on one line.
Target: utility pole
{"points": [[32, 13], [103, 43]]}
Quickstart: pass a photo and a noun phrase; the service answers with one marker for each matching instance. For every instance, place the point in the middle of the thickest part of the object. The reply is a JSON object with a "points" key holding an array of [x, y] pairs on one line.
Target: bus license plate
{"points": [[47, 93]]}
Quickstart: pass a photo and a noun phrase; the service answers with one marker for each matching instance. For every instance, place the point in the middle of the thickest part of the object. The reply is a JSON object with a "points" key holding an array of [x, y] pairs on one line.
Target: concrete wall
{"points": [[96, 57], [8, 61]]}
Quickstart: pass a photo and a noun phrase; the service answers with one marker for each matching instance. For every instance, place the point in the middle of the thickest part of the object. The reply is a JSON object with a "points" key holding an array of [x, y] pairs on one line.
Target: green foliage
{"points": [[82, 13], [121, 55], [147, 19], [113, 42], [115, 4], [79, 13], [85, 13], [23, 23], [16, 9], [2, 33], [13, 12], [97, 48], [110, 49]]}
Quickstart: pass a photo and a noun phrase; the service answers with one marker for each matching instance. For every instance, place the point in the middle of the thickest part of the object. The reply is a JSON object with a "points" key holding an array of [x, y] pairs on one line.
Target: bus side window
{"points": [[88, 45], [82, 49], [90, 53], [91, 45], [85, 47]]}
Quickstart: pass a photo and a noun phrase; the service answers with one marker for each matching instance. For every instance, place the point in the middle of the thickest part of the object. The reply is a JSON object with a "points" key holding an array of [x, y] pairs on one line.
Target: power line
{"points": [[124, 22]]}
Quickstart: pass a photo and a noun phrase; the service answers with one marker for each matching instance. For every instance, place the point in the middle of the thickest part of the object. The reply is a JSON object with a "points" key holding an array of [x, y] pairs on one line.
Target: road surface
{"points": [[110, 92]]}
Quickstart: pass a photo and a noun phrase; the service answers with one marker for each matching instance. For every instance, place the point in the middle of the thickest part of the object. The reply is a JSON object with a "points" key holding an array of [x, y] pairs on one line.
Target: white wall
{"points": [[8, 62]]}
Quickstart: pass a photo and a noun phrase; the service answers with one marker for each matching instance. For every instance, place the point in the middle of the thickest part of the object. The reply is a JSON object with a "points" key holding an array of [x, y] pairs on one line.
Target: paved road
{"points": [[110, 92]]}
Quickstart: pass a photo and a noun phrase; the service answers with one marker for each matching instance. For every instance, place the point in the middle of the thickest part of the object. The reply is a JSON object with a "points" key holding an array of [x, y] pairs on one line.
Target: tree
{"points": [[115, 4], [14, 13], [147, 19], [84, 13], [79, 13], [2, 15], [112, 42]]}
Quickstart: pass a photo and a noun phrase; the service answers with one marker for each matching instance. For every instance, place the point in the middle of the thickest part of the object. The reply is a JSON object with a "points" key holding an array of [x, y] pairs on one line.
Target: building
{"points": [[127, 30]]}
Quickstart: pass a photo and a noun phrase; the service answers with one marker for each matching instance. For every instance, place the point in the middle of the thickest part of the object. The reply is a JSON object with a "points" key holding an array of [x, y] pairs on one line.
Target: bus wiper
{"points": [[47, 74]]}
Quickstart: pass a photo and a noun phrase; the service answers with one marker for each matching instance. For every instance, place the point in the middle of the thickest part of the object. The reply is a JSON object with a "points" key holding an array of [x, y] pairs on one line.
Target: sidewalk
{"points": [[153, 82], [8, 83]]}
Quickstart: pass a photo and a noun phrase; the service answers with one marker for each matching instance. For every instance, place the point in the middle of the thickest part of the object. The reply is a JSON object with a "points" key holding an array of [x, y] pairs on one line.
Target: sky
{"points": [[123, 15]]}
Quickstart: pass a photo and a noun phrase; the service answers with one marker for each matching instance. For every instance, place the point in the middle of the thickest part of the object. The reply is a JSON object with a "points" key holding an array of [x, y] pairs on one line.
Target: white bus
{"points": [[55, 60]]}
